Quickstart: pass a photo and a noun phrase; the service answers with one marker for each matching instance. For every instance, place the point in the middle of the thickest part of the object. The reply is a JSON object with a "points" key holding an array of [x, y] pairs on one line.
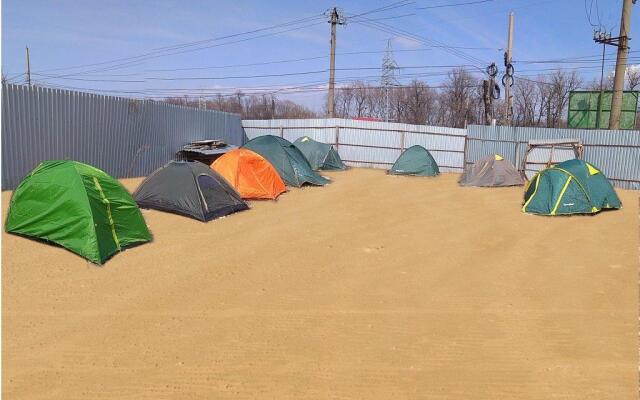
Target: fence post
{"points": [[337, 137], [402, 141], [281, 130], [464, 153]]}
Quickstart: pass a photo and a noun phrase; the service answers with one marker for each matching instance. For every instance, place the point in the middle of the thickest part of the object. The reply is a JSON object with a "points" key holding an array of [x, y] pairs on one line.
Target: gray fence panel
{"points": [[369, 143], [124, 137], [617, 153]]}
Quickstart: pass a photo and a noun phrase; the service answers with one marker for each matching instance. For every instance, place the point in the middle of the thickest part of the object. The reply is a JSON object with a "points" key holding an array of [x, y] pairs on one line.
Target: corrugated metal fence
{"points": [[369, 143], [617, 153], [124, 137], [127, 137]]}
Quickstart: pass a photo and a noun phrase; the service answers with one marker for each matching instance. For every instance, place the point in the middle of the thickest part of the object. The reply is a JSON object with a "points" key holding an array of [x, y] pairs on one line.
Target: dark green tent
{"points": [[292, 166], [189, 188], [320, 155], [571, 187], [416, 160], [78, 207]]}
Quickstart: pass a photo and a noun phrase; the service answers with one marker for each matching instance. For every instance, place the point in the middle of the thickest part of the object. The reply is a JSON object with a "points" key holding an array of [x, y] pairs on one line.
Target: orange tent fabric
{"points": [[250, 174]]}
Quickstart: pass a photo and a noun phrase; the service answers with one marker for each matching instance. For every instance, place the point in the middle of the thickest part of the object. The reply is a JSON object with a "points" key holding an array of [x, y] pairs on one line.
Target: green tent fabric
{"points": [[78, 207], [416, 160], [292, 166], [571, 187], [320, 155]]}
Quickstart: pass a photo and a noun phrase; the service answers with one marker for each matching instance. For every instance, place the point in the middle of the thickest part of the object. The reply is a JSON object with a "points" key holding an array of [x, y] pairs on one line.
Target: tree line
{"points": [[540, 101]]}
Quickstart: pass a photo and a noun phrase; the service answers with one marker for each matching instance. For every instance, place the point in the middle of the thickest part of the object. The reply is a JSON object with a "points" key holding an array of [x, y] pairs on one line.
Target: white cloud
{"points": [[406, 43]]}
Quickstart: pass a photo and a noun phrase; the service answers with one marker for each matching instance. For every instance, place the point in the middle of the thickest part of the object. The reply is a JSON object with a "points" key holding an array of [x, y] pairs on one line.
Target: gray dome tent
{"points": [[189, 188], [491, 171], [320, 155], [416, 160]]}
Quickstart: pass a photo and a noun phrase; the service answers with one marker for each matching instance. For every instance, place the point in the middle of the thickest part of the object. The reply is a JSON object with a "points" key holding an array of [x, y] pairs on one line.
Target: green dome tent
{"points": [[571, 187], [290, 163], [78, 207], [416, 160], [191, 189], [320, 155]]}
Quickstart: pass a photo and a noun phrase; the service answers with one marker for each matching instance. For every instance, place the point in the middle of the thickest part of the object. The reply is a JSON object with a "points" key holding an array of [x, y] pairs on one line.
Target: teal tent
{"points": [[292, 166], [571, 187], [416, 160], [320, 155], [78, 207]]}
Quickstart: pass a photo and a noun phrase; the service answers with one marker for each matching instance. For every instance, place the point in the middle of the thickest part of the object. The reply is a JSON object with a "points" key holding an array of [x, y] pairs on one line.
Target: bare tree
{"points": [[460, 97], [560, 84], [633, 77]]}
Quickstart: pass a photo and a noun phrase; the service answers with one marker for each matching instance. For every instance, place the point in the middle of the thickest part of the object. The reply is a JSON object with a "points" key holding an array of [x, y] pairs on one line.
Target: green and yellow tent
{"points": [[571, 187], [78, 207]]}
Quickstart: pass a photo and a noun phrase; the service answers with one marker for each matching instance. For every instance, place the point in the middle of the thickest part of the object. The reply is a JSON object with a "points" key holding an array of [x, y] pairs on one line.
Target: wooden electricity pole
{"points": [[334, 19], [621, 64], [28, 68], [507, 63]]}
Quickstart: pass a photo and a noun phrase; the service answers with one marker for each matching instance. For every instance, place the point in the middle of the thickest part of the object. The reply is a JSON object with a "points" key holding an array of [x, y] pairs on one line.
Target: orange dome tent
{"points": [[250, 174]]}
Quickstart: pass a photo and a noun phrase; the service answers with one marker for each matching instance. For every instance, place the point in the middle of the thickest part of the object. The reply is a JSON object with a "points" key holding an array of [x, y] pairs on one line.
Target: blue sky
{"points": [[66, 37]]}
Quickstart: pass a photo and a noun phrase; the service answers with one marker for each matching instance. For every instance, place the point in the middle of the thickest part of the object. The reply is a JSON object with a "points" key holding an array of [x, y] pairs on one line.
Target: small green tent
{"points": [[320, 155], [416, 160], [571, 187], [78, 207], [290, 163]]}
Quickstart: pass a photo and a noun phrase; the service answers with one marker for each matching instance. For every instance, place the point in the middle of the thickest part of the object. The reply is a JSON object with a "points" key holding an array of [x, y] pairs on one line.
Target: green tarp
{"points": [[292, 166], [320, 155], [571, 187], [583, 109], [78, 207], [416, 160]]}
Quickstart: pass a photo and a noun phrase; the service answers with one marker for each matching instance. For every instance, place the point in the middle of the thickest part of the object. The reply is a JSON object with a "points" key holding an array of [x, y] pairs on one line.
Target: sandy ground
{"points": [[375, 287]]}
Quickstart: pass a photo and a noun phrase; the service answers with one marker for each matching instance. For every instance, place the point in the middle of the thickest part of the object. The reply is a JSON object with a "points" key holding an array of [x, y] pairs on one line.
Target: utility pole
{"points": [[273, 107], [334, 19], [621, 64], [28, 68], [508, 73]]}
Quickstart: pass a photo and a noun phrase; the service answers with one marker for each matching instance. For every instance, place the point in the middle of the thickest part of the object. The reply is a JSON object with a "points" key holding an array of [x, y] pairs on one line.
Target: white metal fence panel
{"points": [[369, 143]]}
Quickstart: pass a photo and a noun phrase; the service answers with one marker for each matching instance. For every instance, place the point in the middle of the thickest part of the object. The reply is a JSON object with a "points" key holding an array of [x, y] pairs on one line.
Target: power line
{"points": [[159, 50], [200, 45], [455, 4], [400, 32]]}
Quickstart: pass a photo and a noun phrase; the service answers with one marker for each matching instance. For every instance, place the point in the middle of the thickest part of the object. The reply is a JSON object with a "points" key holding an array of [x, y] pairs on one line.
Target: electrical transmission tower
{"points": [[389, 79]]}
